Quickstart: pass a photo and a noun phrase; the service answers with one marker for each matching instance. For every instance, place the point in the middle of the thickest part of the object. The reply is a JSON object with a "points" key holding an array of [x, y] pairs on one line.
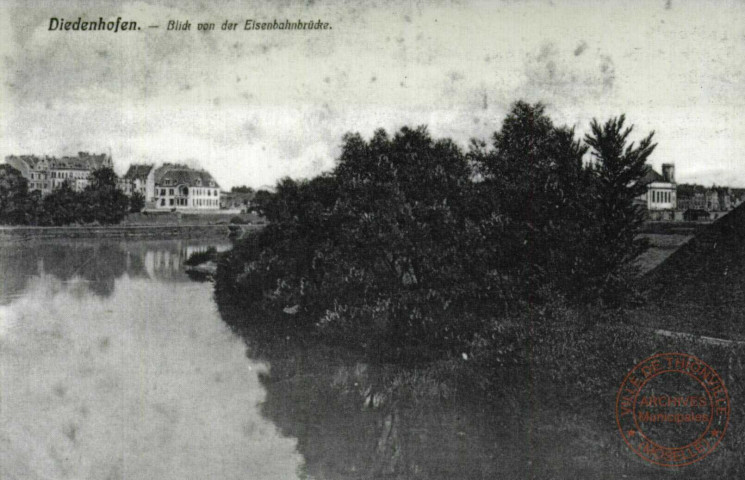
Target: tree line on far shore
{"points": [[412, 244], [100, 202]]}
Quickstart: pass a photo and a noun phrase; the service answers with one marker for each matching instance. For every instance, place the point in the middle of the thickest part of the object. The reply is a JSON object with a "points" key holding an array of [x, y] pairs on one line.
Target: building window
{"points": [[170, 202], [162, 202], [170, 191]]}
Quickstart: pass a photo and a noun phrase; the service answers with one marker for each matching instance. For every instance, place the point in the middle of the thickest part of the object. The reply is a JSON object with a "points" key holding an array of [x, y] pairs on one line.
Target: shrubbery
{"points": [[101, 201], [413, 248]]}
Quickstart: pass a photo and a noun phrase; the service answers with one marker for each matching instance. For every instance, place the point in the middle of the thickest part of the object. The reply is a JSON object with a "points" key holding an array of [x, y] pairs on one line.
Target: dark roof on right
{"points": [[702, 284]]}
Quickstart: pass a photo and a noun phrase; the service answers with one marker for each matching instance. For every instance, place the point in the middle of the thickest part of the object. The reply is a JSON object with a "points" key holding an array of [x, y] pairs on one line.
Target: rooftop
{"points": [[177, 174], [138, 171]]}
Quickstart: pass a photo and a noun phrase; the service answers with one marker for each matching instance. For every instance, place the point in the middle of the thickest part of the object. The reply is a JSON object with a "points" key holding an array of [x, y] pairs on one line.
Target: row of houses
{"points": [[667, 200], [45, 173], [168, 187]]}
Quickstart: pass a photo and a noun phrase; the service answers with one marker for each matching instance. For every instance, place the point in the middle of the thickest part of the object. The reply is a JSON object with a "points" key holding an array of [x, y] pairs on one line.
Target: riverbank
{"points": [[21, 233], [185, 218], [146, 225]]}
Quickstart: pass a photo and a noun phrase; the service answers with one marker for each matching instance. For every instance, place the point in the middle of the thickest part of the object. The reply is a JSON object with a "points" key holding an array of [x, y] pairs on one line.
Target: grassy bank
{"points": [[161, 225], [155, 225]]}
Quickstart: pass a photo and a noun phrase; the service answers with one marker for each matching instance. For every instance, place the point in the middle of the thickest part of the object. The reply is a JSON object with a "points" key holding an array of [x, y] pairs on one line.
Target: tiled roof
{"points": [[84, 161], [170, 174], [138, 171]]}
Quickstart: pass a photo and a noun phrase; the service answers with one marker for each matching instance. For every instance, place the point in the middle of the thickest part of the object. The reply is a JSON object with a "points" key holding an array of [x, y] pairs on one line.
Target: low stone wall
{"points": [[118, 231]]}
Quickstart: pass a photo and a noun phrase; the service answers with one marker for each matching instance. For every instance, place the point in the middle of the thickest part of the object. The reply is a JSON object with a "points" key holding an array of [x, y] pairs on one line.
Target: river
{"points": [[116, 366]]}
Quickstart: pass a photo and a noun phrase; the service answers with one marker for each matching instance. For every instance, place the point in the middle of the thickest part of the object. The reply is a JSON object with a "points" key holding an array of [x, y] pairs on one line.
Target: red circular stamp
{"points": [[672, 409]]}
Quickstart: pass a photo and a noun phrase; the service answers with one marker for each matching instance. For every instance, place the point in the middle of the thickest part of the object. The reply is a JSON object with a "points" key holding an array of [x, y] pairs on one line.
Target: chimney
{"points": [[668, 172]]}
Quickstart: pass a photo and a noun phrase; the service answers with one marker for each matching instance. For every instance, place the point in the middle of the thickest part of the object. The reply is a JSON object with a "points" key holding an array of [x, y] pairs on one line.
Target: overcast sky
{"points": [[252, 106]]}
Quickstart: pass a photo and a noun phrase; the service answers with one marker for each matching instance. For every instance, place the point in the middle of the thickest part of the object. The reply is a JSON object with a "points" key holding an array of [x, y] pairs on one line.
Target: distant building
{"points": [[715, 202], [140, 178], [47, 173], [660, 199], [178, 187], [698, 201]]}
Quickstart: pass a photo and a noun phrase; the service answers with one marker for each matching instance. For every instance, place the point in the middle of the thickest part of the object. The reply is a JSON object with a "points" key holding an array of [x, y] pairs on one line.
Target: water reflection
{"points": [[136, 379], [114, 365], [95, 263], [350, 425]]}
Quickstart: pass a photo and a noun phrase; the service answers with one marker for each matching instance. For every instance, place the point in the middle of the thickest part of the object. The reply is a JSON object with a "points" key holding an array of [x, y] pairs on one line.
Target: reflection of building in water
{"points": [[163, 263], [168, 262], [94, 265]]}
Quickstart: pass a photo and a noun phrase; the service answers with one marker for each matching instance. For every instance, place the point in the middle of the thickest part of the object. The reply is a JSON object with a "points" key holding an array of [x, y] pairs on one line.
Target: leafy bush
{"points": [[101, 202], [136, 202], [18, 206], [411, 248]]}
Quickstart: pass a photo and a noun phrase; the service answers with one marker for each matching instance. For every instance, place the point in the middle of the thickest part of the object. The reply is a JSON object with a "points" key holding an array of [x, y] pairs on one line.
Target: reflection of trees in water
{"points": [[349, 424], [96, 263]]}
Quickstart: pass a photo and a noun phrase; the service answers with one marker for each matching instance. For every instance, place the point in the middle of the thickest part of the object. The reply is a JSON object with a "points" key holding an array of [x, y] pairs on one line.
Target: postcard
{"points": [[354, 240]]}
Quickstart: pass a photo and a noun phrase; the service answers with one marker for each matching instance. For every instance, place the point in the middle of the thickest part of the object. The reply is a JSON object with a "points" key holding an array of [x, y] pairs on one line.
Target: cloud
{"points": [[257, 106]]}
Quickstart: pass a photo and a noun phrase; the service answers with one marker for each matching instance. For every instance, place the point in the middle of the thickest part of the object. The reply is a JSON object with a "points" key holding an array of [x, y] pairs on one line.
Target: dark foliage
{"points": [[104, 202], [18, 206], [136, 202], [198, 258], [409, 246], [100, 202], [260, 199], [612, 242], [242, 189], [537, 203], [64, 206]]}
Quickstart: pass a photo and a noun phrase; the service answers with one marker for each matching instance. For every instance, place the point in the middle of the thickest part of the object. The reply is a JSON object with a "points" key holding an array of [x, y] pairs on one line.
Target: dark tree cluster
{"points": [[411, 242], [101, 201], [18, 206]]}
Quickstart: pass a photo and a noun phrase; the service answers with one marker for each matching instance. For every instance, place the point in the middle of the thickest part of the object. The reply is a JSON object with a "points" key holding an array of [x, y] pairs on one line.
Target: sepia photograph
{"points": [[349, 240]]}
